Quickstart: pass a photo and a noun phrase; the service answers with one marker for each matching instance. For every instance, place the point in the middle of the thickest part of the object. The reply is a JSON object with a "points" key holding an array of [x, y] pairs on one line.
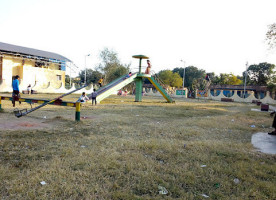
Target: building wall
{"points": [[1, 61], [29, 74]]}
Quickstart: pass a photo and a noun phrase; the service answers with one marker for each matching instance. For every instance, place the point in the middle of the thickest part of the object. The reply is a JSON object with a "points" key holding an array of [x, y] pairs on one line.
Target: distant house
{"points": [[33, 66]]}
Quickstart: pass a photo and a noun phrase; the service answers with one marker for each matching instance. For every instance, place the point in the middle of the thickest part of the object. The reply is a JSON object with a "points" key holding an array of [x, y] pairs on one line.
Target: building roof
{"points": [[31, 52]]}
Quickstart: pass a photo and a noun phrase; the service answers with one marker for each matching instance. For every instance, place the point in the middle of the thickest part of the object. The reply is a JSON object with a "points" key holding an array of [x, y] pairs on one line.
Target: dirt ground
{"points": [[7, 122]]}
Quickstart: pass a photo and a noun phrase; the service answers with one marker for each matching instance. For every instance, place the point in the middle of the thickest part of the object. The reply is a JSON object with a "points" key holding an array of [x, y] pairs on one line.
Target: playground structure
{"points": [[124, 80], [103, 92]]}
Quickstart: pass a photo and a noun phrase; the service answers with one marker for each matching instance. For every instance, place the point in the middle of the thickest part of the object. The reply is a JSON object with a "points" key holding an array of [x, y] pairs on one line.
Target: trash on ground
{"points": [[205, 195], [236, 180], [203, 165], [44, 117], [83, 146], [217, 185], [254, 109], [43, 183], [184, 145], [232, 120], [162, 190], [252, 126], [137, 115]]}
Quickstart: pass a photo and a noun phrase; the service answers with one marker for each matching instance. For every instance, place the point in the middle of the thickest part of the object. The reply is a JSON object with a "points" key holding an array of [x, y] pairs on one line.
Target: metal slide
{"points": [[18, 113], [113, 86], [160, 89]]}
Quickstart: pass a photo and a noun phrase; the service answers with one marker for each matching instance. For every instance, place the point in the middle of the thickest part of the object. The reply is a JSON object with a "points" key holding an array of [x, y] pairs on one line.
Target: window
{"points": [[58, 77]]}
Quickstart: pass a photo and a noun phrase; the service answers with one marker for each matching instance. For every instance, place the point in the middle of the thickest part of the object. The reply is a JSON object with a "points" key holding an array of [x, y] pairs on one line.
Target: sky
{"points": [[214, 35]]}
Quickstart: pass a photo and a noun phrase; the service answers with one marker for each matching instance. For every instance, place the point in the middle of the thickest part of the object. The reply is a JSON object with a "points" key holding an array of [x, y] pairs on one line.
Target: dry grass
{"points": [[125, 150]]}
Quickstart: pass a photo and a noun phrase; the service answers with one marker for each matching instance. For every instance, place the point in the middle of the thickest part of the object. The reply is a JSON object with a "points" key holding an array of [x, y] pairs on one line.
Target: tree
{"points": [[260, 74], [199, 84], [191, 73], [91, 76], [67, 80], [111, 66], [226, 79], [170, 78], [271, 36]]}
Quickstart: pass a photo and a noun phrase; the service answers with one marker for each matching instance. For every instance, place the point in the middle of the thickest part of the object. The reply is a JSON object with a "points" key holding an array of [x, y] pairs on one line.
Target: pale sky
{"points": [[215, 35]]}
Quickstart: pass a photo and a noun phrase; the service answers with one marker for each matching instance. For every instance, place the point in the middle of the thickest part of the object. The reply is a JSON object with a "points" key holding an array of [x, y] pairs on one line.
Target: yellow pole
{"points": [[78, 105]]}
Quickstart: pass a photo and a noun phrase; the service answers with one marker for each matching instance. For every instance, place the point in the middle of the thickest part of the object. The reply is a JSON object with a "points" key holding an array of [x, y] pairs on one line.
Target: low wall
{"points": [[173, 94], [250, 97], [47, 88]]}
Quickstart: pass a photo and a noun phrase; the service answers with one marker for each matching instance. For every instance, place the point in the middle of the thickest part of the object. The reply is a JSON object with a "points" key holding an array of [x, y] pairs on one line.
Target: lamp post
{"points": [[183, 77], [245, 74], [85, 67]]}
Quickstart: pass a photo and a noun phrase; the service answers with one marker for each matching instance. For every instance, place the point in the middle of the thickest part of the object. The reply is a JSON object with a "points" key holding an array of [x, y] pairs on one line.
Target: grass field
{"points": [[127, 150]]}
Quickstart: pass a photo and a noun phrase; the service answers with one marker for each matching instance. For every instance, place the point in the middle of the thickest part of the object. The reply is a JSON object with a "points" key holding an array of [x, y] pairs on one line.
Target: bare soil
{"points": [[7, 122]]}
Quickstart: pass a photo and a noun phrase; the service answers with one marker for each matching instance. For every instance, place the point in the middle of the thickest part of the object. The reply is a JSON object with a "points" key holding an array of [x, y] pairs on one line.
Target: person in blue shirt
{"points": [[15, 93]]}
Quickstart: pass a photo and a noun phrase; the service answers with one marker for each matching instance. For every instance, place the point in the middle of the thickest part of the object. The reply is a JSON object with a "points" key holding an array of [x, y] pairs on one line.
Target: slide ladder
{"points": [[157, 83]]}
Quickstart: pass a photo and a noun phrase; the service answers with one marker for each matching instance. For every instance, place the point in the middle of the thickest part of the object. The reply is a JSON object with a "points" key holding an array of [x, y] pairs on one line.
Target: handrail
{"points": [[159, 80]]}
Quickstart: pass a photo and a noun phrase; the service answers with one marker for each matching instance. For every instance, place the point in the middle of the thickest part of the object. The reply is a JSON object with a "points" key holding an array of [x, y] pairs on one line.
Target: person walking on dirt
{"points": [[94, 96], [273, 124], [100, 82], [15, 93]]}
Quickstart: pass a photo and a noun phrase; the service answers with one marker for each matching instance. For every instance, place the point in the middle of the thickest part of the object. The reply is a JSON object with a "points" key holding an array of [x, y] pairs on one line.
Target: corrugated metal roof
{"points": [[32, 52]]}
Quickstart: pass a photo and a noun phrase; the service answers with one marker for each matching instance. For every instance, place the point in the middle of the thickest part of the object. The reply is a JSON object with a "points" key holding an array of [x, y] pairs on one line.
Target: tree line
{"points": [[111, 68]]}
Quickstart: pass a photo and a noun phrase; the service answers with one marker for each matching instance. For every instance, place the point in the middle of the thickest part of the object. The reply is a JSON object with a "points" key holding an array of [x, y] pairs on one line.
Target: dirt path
{"points": [[9, 122]]}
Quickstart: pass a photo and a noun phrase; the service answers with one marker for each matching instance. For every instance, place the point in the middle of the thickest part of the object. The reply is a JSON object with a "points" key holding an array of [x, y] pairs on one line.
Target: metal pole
{"points": [[245, 79], [70, 77], [77, 115], [183, 78], [140, 65], [85, 70]]}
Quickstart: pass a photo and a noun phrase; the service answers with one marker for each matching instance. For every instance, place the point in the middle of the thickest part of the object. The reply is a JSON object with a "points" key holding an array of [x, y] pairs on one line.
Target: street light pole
{"points": [[85, 68], [245, 79], [183, 77]]}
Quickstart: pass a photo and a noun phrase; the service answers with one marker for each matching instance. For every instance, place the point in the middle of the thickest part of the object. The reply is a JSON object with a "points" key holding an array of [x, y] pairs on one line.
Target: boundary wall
{"points": [[250, 97], [48, 88]]}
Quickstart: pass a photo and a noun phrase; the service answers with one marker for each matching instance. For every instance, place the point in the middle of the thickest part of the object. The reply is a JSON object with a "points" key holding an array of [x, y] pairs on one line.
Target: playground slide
{"points": [[160, 89], [113, 86]]}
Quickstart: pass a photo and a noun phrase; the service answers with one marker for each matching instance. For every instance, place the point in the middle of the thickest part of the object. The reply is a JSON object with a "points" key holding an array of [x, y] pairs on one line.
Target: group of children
{"points": [[83, 98]]}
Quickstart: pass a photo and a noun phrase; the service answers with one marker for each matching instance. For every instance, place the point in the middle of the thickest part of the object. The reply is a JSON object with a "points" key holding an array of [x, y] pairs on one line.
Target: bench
{"points": [[264, 107], [227, 99], [258, 102], [26, 92]]}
